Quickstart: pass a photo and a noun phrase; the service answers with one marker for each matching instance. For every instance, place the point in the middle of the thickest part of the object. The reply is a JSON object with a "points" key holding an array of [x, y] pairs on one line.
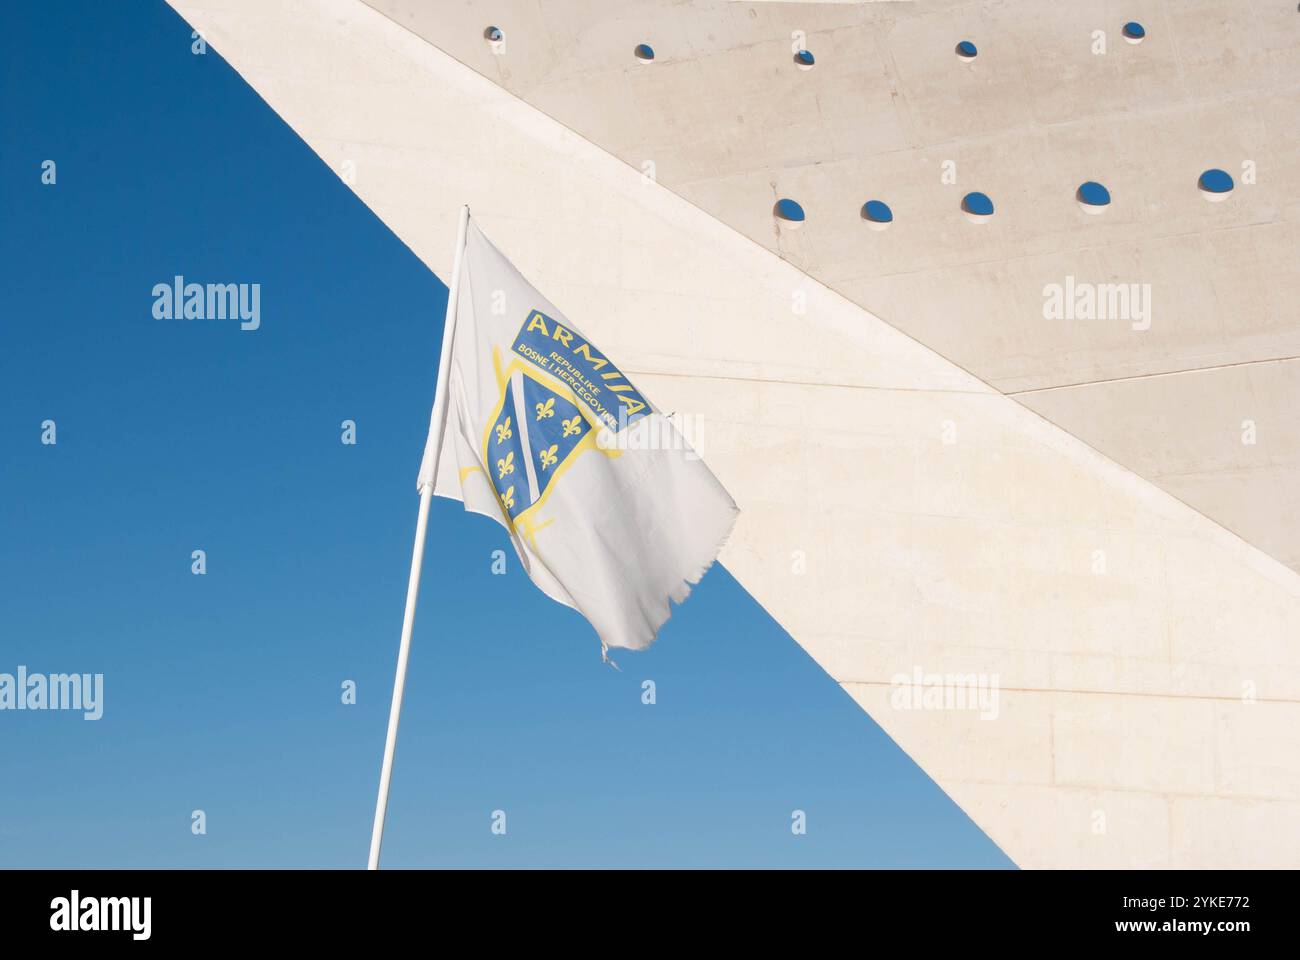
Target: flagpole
{"points": [[417, 555]]}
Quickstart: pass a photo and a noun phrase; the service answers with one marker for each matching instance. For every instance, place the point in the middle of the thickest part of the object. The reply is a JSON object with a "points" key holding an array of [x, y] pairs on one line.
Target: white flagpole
{"points": [[417, 556]]}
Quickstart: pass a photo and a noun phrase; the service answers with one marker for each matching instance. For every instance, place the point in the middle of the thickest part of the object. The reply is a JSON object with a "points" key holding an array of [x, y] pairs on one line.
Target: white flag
{"points": [[609, 509]]}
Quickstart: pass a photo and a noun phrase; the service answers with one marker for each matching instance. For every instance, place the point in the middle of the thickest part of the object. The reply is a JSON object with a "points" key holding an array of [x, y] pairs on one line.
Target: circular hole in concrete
{"points": [[977, 207], [788, 213], [1092, 197], [877, 214], [1215, 184]]}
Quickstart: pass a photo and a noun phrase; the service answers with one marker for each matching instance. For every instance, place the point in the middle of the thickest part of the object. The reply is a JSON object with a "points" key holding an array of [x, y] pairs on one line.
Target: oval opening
{"points": [[1215, 184], [967, 51], [804, 60], [1134, 32], [644, 53], [977, 207], [788, 213], [1092, 197], [494, 36], [877, 214]]}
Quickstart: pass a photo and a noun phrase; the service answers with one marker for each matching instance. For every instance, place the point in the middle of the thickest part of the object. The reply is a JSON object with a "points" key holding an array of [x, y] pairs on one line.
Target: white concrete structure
{"points": [[900, 513]]}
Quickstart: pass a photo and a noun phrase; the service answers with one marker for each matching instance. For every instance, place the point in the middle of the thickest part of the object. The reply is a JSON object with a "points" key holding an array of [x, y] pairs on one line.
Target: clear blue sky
{"points": [[222, 692]]}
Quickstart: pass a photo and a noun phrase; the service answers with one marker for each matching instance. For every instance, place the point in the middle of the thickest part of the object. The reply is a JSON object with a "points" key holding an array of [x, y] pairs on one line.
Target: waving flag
{"points": [[609, 509]]}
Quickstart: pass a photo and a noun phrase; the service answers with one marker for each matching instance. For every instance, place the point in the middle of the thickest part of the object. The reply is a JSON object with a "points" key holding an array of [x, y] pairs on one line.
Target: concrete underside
{"points": [[730, 124], [899, 512]]}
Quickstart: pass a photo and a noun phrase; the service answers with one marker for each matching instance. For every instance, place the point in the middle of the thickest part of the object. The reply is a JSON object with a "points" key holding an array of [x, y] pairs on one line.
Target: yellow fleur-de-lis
{"points": [[571, 426], [548, 456], [547, 409], [508, 498], [504, 432], [506, 465]]}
